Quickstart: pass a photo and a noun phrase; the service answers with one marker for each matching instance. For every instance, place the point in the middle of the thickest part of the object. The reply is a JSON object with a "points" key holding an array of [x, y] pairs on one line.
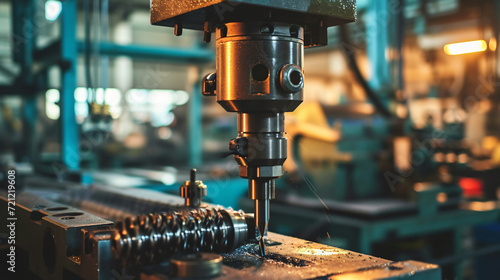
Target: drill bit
{"points": [[261, 191], [262, 220]]}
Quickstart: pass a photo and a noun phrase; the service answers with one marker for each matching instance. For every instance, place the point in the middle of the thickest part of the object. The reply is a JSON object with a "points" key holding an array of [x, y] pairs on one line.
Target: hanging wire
{"points": [[104, 37], [87, 55]]}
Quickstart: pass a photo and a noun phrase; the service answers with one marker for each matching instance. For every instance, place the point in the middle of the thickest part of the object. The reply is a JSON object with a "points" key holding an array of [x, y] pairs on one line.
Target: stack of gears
{"points": [[152, 238]]}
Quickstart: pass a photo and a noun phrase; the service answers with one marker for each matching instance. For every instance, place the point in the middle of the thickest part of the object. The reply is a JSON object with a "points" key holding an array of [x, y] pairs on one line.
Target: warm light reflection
{"points": [[480, 206], [465, 47], [320, 252], [493, 44], [442, 197]]}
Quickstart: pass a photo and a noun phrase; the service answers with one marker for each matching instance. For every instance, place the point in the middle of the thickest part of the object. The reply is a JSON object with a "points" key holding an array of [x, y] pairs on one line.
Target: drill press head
{"points": [[259, 76]]}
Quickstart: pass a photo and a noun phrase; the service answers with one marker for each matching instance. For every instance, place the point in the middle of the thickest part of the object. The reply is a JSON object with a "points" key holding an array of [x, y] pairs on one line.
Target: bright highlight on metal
{"points": [[493, 44], [465, 47], [321, 252]]}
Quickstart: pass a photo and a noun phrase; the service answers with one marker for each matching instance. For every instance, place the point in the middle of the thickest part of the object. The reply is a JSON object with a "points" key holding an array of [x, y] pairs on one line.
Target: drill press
{"points": [[259, 73]]}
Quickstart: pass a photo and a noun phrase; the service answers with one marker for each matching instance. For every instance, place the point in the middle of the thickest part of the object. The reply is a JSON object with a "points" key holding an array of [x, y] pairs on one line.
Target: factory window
{"points": [[110, 97], [52, 110], [156, 105], [81, 106], [52, 10]]}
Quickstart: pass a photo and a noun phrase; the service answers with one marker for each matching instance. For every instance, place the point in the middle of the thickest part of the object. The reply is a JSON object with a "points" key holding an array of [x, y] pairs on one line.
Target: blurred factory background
{"points": [[395, 151]]}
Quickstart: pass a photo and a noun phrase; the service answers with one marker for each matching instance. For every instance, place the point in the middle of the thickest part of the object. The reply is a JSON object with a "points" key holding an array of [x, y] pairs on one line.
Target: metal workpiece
{"points": [[61, 242], [150, 239], [196, 265], [315, 15], [293, 258], [193, 191]]}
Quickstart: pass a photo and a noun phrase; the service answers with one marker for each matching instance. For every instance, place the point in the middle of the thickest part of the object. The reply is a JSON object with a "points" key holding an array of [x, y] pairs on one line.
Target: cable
{"points": [[351, 61], [88, 52], [104, 37]]}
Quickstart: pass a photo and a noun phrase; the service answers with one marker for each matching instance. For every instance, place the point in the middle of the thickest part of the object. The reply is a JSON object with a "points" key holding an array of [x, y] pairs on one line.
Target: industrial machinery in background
{"points": [[389, 179]]}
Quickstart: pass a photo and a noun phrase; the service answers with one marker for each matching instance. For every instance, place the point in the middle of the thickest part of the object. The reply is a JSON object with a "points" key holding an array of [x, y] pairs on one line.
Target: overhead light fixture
{"points": [[465, 47]]}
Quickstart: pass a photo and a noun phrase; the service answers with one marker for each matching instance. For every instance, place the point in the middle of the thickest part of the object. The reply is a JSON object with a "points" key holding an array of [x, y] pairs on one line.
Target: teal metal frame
{"points": [[195, 142], [226, 192], [193, 55], [66, 51], [70, 136]]}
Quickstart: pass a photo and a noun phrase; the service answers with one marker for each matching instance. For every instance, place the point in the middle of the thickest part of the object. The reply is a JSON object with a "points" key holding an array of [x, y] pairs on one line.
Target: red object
{"points": [[472, 187]]}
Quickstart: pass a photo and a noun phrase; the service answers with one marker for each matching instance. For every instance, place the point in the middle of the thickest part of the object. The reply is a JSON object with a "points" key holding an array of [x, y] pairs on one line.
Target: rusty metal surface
{"points": [[194, 12], [287, 258], [54, 212], [59, 240], [298, 259], [292, 258], [397, 270]]}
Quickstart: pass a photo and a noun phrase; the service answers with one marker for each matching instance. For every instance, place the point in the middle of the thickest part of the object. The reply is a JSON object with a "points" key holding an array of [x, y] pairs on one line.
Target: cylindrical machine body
{"points": [[266, 145], [250, 57], [259, 75]]}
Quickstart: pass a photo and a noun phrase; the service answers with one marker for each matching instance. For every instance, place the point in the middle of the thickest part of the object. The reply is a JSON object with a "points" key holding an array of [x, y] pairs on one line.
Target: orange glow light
{"points": [[465, 47], [493, 44]]}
